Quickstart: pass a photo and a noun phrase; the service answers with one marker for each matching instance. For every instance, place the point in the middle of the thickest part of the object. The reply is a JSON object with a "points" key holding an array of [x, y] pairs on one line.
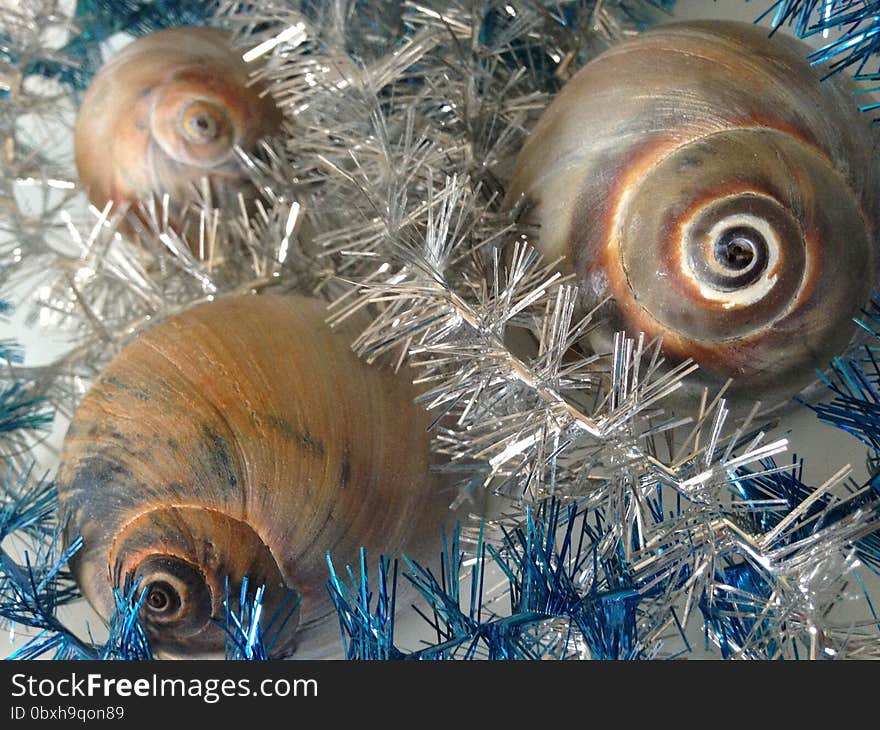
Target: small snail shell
{"points": [[166, 112], [243, 438], [705, 178]]}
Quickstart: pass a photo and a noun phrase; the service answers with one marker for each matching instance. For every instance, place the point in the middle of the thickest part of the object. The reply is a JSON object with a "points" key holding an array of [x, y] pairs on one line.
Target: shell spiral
{"points": [[703, 177], [166, 112], [242, 438]]}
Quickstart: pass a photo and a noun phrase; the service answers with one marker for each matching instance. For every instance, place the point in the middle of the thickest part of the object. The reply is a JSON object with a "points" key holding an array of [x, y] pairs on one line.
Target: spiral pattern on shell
{"points": [[167, 111], [724, 197], [243, 438]]}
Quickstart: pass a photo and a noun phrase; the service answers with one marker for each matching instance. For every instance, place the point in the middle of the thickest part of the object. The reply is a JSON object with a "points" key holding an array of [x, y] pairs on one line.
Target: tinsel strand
{"points": [[619, 523]]}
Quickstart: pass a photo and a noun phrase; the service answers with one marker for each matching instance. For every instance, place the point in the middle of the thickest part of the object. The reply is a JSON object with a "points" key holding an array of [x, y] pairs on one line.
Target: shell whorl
{"points": [[242, 438], [725, 198], [167, 111]]}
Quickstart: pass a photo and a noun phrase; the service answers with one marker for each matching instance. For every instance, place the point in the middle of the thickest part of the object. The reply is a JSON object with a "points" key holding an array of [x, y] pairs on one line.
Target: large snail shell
{"points": [[166, 112], [705, 178], [242, 438]]}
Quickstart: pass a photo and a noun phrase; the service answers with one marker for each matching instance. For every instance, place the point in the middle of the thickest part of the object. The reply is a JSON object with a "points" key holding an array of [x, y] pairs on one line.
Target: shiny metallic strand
{"points": [[521, 424], [573, 594], [71, 270], [25, 418], [103, 290], [37, 180], [24, 49], [24, 421], [383, 194], [34, 579], [75, 60], [139, 17], [248, 638], [856, 20], [106, 289], [852, 28], [367, 627]]}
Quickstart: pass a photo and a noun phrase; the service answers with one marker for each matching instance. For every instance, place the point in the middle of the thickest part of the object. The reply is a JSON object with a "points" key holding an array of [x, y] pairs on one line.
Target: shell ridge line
{"points": [[239, 454], [221, 416], [763, 64], [687, 53], [196, 506]]}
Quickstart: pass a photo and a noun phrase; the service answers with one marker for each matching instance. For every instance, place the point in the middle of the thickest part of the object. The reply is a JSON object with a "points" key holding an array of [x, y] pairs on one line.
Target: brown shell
{"points": [[705, 178], [166, 112], [243, 437]]}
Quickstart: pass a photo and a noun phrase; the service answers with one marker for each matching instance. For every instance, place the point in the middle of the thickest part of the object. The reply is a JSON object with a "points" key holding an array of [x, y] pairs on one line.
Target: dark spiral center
{"points": [[203, 122], [162, 598], [742, 254], [177, 593]]}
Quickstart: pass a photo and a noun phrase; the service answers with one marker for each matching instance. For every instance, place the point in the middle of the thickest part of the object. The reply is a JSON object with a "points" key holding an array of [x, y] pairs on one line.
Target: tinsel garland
{"points": [[619, 527]]}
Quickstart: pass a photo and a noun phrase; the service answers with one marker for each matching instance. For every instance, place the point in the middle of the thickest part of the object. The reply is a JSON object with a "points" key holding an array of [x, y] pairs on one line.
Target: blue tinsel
{"points": [[856, 48], [541, 561], [248, 637]]}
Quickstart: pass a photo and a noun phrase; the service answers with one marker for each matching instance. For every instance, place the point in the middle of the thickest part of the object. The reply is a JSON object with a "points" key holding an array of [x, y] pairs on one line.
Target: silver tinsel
{"points": [[383, 193]]}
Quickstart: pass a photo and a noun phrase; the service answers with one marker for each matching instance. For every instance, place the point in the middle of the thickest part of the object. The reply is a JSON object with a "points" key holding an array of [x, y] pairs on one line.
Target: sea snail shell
{"points": [[166, 112], [705, 178], [243, 438]]}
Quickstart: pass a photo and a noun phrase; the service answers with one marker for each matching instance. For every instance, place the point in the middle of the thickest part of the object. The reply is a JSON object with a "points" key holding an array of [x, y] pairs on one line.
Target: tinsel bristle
{"points": [[24, 413], [34, 586], [623, 532], [367, 629], [94, 22], [855, 25], [247, 636]]}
